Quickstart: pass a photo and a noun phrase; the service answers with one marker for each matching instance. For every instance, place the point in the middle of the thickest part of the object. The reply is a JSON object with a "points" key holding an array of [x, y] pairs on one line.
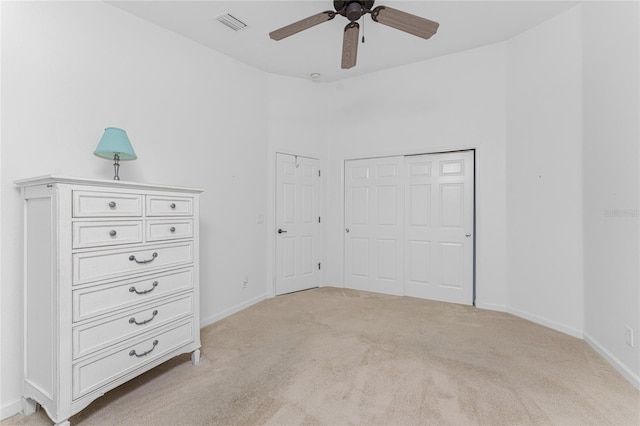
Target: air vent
{"points": [[231, 21]]}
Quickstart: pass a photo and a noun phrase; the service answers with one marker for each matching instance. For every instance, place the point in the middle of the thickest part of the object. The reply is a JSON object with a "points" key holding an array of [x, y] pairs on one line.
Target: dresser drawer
{"points": [[158, 230], [88, 338], [169, 206], [92, 234], [106, 204], [101, 265], [105, 298], [93, 373]]}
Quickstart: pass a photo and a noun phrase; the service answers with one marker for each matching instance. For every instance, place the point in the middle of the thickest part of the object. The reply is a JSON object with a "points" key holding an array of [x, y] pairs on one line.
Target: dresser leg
{"points": [[195, 357], [29, 406]]}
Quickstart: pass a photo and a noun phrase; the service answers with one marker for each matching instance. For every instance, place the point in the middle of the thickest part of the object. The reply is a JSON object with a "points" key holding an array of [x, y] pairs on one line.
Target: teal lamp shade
{"points": [[115, 145]]}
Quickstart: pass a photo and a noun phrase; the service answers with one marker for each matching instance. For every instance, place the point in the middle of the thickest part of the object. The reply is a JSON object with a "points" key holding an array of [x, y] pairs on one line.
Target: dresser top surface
{"points": [[68, 180]]}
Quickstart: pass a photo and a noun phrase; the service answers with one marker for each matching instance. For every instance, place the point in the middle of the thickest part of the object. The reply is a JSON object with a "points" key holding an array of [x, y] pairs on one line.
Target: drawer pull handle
{"points": [[112, 204], [132, 320], [172, 229], [133, 289], [172, 205], [133, 352], [153, 257], [113, 232]]}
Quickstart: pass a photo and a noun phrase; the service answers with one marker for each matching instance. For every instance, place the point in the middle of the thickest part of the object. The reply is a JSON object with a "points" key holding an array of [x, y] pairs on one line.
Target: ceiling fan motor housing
{"points": [[353, 10]]}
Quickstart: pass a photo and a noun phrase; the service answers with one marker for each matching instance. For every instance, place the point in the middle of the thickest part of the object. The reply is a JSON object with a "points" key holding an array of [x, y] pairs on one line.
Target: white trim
{"points": [[491, 307], [625, 371], [244, 305], [11, 409], [547, 323]]}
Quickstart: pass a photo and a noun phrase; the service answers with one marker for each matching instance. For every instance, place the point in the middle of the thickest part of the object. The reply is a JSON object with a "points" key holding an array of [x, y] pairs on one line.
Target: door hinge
{"points": [[319, 265], [318, 173], [319, 219]]}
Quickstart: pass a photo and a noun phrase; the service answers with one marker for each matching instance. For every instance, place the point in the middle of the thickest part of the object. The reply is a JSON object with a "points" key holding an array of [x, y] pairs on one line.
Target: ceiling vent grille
{"points": [[231, 21]]}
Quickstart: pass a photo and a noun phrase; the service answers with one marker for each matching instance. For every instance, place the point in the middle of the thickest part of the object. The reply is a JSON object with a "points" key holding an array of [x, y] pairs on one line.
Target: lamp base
{"points": [[116, 166]]}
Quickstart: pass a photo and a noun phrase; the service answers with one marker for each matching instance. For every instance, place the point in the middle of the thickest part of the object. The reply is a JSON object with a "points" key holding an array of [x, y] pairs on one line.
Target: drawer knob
{"points": [[153, 257], [153, 287], [132, 320], [113, 232], [172, 205], [172, 229], [112, 204], [133, 352]]}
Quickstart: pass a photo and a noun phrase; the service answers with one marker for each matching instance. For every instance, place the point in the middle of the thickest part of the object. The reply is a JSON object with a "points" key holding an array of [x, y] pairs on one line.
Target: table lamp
{"points": [[115, 145]]}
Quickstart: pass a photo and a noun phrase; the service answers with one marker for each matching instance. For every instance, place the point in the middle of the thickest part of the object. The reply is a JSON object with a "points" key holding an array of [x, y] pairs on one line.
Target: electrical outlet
{"points": [[628, 336]]}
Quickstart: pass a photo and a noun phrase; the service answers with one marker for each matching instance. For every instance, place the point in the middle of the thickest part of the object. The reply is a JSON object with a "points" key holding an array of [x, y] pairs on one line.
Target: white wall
{"points": [[544, 174], [195, 118], [448, 103], [611, 181], [297, 123]]}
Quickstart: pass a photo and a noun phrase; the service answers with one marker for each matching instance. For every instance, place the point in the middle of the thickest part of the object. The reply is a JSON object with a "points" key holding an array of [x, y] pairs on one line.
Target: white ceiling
{"points": [[463, 25]]}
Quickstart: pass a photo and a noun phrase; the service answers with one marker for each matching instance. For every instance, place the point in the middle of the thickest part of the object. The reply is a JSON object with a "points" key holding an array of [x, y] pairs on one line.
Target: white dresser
{"points": [[111, 286]]}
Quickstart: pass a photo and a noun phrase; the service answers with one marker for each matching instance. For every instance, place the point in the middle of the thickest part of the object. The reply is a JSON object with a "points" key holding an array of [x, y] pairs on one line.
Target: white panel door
{"points": [[297, 223], [439, 226], [374, 224]]}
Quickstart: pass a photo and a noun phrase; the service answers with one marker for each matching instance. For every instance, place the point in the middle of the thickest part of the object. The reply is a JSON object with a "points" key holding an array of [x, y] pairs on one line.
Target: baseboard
{"points": [[244, 305], [491, 307], [10, 408], [550, 324], [633, 378]]}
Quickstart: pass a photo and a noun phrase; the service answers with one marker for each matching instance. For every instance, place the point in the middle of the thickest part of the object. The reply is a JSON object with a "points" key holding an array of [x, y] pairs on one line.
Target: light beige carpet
{"points": [[335, 357]]}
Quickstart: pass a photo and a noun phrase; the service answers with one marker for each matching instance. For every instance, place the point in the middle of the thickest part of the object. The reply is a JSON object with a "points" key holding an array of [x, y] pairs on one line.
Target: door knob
{"points": [[281, 231], [346, 230], [468, 234]]}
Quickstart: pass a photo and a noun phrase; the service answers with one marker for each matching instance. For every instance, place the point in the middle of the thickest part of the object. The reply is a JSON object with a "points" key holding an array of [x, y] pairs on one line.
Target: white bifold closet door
{"points": [[417, 223]]}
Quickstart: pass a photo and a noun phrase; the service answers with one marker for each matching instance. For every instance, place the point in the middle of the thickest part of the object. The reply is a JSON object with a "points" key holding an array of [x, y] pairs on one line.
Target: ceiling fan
{"points": [[354, 10]]}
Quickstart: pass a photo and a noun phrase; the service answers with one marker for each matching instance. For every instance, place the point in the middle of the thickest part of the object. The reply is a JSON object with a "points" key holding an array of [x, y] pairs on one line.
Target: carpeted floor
{"points": [[334, 357]]}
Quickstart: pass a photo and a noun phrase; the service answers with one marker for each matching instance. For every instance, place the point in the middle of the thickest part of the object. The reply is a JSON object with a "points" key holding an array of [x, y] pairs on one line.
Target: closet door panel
{"points": [[440, 218], [374, 223]]}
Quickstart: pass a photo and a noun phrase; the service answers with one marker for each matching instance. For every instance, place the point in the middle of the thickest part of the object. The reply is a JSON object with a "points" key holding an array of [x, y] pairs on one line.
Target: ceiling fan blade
{"points": [[404, 21], [301, 25], [350, 45]]}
